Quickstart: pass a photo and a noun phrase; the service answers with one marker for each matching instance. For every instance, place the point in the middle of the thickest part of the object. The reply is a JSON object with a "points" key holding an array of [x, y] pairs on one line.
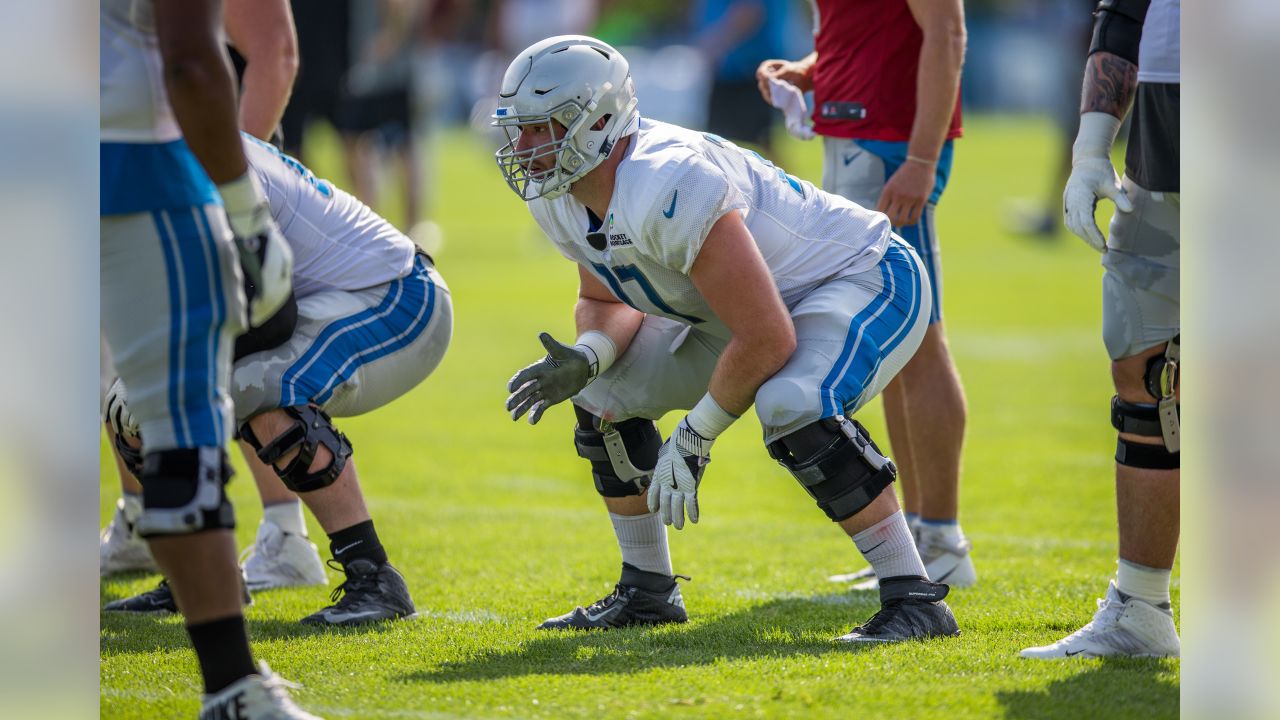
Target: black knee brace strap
{"points": [[627, 448], [311, 428], [1144, 420], [837, 463], [183, 492]]}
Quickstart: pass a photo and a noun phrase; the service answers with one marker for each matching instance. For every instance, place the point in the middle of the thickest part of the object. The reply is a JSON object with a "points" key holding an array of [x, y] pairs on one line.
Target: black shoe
{"points": [[159, 600], [371, 593], [639, 598], [910, 607]]}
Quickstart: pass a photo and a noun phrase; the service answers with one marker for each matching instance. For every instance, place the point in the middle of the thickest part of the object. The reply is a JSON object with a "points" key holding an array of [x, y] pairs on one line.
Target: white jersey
{"points": [[144, 164], [1159, 55], [671, 187], [338, 243]]}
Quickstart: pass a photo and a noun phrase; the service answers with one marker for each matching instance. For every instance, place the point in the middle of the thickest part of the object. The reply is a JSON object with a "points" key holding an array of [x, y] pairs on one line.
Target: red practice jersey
{"points": [[868, 54]]}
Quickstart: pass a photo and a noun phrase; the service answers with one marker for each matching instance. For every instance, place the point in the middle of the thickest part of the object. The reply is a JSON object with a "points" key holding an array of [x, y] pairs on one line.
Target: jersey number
{"points": [[618, 275]]}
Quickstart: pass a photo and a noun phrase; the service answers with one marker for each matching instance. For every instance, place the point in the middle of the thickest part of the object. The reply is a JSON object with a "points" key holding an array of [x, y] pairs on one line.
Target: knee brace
{"points": [[1145, 420], [1162, 382], [183, 492], [311, 428], [622, 455], [837, 464]]}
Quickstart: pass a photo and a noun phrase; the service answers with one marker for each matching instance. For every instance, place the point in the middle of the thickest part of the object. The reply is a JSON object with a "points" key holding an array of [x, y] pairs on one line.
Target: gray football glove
{"points": [[553, 379]]}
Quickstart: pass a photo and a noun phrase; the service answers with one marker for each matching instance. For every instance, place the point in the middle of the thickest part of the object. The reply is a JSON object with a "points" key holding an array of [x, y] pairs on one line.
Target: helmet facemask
{"points": [[582, 90]]}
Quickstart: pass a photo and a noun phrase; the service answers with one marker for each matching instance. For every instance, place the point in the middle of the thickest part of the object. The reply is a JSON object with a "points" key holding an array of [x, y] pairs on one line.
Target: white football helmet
{"points": [[576, 81]]}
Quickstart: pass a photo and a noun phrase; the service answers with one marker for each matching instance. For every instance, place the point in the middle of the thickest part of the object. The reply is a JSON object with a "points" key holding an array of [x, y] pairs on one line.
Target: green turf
{"points": [[496, 525]]}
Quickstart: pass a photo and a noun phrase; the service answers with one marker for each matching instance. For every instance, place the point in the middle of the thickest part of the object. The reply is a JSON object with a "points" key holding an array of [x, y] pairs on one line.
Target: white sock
{"points": [[1145, 583], [643, 541], [132, 506], [287, 515], [889, 548]]}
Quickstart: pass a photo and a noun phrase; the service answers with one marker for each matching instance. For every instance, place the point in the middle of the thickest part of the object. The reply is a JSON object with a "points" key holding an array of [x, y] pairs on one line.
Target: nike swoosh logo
{"points": [[873, 548], [1073, 654], [343, 617], [850, 158], [671, 211], [596, 617]]}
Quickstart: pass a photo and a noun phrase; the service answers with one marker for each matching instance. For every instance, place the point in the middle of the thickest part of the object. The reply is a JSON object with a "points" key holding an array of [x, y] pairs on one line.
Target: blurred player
{"points": [[373, 320], [263, 34], [886, 81], [178, 206], [710, 280], [1135, 55]]}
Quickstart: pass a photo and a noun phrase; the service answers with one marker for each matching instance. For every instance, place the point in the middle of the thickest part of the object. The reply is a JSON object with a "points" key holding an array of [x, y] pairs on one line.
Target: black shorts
{"points": [[1152, 158], [387, 111]]}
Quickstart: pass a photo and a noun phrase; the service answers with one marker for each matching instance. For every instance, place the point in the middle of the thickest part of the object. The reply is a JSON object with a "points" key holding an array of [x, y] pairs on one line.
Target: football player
{"points": [[711, 280], [183, 224], [372, 320]]}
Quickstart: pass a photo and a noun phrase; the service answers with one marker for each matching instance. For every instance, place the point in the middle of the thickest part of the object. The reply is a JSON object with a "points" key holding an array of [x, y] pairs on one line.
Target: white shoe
{"points": [[280, 559], [120, 549], [1122, 626], [256, 697], [946, 560]]}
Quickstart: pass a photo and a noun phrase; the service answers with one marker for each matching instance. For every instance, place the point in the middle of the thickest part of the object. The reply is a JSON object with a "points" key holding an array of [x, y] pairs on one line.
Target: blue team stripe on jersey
{"points": [[141, 177], [896, 276], [172, 260]]}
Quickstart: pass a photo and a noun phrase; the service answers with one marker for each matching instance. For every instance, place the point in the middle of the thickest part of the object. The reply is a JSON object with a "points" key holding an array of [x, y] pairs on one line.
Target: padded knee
{"points": [[622, 455], [837, 463], [1144, 420], [183, 492], [311, 428]]}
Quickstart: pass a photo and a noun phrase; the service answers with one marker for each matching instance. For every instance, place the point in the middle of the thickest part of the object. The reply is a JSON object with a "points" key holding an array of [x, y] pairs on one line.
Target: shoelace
{"points": [[278, 688], [882, 618], [607, 601], [1107, 613], [351, 586]]}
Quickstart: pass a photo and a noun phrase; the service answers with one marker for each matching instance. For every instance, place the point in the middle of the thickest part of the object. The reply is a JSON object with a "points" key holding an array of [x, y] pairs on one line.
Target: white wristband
{"points": [[1096, 135], [600, 352], [243, 198], [708, 419]]}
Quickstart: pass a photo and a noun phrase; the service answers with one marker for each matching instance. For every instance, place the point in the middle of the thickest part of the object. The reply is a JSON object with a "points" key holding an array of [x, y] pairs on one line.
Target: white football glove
{"points": [[115, 411], [265, 257], [674, 488], [1092, 178]]}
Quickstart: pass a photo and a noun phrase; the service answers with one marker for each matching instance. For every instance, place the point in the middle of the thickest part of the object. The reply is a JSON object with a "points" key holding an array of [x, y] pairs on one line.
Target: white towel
{"points": [[788, 98]]}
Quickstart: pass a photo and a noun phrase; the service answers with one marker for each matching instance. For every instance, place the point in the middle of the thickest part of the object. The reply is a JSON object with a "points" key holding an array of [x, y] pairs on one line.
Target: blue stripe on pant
{"points": [[197, 312], [874, 332], [346, 345]]}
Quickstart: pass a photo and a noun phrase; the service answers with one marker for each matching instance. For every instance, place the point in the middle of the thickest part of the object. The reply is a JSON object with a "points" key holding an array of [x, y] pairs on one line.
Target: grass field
{"points": [[496, 525]]}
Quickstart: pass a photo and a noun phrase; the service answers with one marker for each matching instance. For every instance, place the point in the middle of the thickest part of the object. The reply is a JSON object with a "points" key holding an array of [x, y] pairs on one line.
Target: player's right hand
{"points": [[266, 260], [553, 379], [1092, 178], [115, 411]]}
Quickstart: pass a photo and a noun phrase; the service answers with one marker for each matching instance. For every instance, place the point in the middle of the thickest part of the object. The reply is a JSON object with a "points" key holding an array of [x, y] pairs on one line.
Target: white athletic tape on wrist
{"points": [[1096, 136], [599, 349], [243, 198], [708, 419]]}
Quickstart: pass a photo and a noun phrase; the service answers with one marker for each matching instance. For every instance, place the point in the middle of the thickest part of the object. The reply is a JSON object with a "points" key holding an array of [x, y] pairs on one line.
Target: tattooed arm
{"points": [[1110, 82]]}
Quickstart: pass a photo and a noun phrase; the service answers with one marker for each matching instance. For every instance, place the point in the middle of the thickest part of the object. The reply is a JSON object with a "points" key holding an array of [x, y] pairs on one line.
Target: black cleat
{"points": [[910, 608], [639, 598], [371, 593], [159, 600]]}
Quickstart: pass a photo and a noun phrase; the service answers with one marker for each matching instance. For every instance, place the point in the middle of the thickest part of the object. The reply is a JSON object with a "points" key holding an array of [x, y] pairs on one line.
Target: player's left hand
{"points": [[905, 195], [674, 488]]}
